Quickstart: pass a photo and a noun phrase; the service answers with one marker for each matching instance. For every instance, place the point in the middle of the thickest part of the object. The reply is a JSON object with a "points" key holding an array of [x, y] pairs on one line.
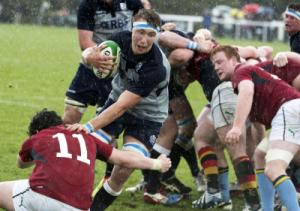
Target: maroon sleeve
{"points": [[103, 150], [25, 151]]}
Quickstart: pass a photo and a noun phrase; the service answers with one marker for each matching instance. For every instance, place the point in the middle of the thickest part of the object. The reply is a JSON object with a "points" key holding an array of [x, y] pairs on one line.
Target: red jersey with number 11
{"points": [[65, 162]]}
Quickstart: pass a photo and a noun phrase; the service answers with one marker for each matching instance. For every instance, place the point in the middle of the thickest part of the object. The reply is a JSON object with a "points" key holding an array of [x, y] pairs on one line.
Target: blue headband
{"points": [[293, 13], [143, 25]]}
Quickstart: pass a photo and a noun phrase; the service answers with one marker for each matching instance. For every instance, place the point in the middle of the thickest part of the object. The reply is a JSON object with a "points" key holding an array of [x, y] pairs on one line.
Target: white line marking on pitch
{"points": [[18, 103]]}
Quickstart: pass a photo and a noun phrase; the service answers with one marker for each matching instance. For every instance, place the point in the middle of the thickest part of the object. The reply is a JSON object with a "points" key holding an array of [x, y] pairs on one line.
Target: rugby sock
{"points": [[295, 175], [104, 198], [209, 163], [223, 183], [145, 174], [154, 177], [287, 192], [245, 174], [266, 190], [108, 170], [191, 159], [175, 159]]}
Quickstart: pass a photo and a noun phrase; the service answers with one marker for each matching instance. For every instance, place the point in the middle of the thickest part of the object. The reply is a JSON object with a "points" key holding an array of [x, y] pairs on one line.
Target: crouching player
{"points": [[270, 101], [64, 162]]}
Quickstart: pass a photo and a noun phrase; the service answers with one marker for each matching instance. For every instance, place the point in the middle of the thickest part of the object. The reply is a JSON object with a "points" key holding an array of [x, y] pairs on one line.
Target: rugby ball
{"points": [[111, 49]]}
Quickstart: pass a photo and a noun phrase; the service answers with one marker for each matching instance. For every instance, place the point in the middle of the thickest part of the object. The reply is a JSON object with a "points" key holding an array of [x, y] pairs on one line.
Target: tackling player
{"points": [[64, 161]]}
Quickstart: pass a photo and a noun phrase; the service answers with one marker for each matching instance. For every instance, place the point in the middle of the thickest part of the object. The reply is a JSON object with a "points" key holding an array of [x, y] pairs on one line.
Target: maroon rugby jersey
{"points": [[65, 162], [270, 92], [287, 73]]}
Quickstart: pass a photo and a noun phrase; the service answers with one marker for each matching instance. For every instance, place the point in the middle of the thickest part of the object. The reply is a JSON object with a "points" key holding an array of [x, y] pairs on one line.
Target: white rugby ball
{"points": [[111, 49]]}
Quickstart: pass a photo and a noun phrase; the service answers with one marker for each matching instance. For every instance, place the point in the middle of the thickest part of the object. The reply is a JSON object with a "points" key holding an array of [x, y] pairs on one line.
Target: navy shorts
{"points": [[86, 88], [143, 130]]}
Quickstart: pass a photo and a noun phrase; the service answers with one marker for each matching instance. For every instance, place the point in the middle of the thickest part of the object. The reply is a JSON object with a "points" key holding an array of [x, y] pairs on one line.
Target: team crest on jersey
{"points": [[123, 6], [152, 139], [138, 66]]}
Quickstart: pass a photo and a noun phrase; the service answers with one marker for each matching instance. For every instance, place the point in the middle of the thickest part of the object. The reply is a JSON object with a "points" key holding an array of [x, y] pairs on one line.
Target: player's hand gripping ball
{"points": [[111, 49]]}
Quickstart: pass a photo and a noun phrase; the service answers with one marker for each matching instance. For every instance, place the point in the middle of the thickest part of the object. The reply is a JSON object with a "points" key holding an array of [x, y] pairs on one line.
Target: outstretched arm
{"points": [[243, 107], [172, 40], [130, 159], [125, 101]]}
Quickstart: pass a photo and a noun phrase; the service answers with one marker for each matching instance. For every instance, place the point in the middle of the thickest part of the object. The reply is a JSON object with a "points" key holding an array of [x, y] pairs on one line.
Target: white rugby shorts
{"points": [[223, 105], [286, 123], [25, 199]]}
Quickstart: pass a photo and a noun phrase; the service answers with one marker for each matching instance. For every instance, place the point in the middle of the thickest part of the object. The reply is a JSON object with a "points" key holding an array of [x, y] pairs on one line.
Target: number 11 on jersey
{"points": [[64, 152]]}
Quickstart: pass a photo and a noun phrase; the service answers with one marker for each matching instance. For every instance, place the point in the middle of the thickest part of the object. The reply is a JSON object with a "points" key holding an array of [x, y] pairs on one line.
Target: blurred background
{"points": [[260, 20]]}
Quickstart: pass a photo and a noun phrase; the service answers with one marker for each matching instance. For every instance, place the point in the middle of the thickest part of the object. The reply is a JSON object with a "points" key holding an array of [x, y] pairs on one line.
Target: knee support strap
{"points": [[263, 145], [279, 154], [81, 107], [136, 147]]}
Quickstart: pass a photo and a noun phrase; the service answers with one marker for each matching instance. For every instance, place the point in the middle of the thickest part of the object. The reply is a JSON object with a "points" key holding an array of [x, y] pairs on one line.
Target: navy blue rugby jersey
{"points": [[103, 20], [295, 42], [146, 75]]}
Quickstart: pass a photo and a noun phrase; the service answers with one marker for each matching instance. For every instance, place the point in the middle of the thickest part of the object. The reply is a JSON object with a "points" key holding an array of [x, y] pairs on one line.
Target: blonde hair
{"points": [[228, 50]]}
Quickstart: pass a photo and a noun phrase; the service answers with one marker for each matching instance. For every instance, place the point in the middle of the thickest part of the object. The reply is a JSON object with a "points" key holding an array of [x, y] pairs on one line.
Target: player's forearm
{"points": [[173, 40], [107, 116], [85, 39], [136, 161], [243, 107], [125, 101], [292, 55], [247, 52]]}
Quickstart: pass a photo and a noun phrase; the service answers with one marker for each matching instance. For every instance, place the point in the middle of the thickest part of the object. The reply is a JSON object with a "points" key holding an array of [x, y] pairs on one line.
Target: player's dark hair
{"points": [[294, 6], [42, 120], [228, 50], [148, 15]]}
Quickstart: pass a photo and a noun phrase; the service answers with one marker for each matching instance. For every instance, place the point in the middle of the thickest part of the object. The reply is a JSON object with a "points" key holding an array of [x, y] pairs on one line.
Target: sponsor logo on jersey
{"points": [[152, 139], [123, 6], [138, 66], [113, 24]]}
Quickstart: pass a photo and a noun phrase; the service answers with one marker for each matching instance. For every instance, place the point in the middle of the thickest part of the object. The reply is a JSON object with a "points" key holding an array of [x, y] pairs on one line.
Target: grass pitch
{"points": [[36, 66]]}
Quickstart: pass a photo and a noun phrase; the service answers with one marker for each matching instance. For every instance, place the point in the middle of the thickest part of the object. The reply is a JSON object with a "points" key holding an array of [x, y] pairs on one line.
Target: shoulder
{"points": [[156, 64], [87, 3], [247, 68], [91, 5], [156, 53], [243, 71], [156, 58]]}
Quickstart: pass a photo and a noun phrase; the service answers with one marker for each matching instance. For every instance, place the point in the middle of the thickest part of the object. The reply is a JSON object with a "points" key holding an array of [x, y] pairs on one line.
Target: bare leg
{"points": [[71, 115], [6, 200]]}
